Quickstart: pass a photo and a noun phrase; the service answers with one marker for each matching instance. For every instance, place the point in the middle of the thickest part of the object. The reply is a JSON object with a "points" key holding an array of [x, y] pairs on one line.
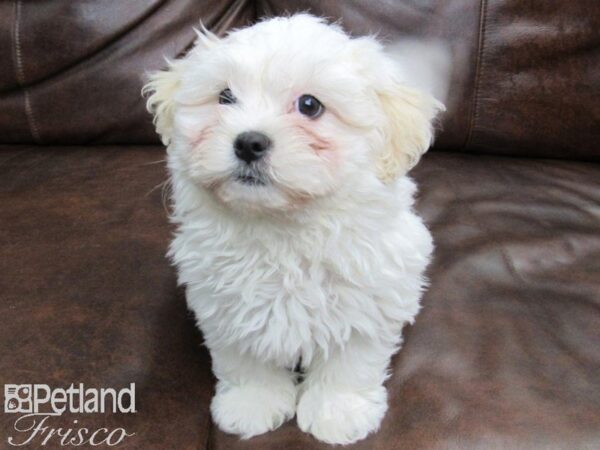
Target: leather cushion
{"points": [[505, 353], [87, 295]]}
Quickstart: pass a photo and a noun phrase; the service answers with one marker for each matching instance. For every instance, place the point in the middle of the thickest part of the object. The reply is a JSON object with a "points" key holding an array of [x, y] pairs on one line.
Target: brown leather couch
{"points": [[506, 351]]}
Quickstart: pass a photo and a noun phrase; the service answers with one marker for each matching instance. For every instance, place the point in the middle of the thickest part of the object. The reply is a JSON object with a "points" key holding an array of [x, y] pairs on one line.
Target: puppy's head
{"points": [[287, 111]]}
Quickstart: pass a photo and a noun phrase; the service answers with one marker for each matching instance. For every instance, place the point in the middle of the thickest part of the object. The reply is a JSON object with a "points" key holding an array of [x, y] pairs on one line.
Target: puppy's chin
{"points": [[256, 198]]}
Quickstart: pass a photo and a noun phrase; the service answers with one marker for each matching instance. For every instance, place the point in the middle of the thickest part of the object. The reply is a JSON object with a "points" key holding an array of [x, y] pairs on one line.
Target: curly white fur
{"points": [[323, 263]]}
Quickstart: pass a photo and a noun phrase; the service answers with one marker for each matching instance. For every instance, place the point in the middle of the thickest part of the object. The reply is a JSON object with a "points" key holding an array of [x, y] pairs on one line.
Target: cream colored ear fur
{"points": [[408, 130]]}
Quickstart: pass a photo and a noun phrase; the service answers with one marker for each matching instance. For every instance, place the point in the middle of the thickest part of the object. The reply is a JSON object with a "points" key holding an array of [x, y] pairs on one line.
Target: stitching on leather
{"points": [[21, 75], [478, 68]]}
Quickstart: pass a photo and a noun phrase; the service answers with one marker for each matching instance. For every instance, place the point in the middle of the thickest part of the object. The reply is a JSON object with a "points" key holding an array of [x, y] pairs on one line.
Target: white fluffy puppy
{"points": [[288, 147]]}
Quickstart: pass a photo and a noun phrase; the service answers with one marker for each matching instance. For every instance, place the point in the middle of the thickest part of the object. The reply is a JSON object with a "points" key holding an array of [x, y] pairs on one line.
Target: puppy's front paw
{"points": [[251, 409], [338, 416]]}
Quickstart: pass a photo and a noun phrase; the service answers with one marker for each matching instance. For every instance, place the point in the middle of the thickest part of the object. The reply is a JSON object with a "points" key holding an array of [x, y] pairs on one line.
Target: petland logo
{"points": [[37, 404]]}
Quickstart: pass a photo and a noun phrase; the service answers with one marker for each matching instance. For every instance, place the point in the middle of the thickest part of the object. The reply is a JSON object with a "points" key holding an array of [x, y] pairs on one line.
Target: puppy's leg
{"points": [[342, 399], [251, 397]]}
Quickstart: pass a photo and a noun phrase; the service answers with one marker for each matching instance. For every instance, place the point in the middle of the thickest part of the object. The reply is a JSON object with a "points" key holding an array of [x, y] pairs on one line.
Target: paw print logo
{"points": [[17, 398]]}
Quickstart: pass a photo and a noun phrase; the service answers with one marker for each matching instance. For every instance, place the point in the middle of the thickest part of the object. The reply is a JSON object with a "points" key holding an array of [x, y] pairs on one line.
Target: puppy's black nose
{"points": [[251, 145]]}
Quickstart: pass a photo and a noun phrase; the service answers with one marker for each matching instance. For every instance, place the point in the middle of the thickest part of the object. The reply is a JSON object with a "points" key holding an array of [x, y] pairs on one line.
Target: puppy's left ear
{"points": [[407, 128], [408, 113]]}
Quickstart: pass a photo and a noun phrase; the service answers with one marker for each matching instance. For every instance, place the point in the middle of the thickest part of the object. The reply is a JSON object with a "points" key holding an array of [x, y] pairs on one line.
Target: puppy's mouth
{"points": [[250, 176], [249, 180]]}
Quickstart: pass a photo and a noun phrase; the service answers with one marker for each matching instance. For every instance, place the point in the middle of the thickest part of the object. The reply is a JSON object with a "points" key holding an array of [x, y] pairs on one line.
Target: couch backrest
{"points": [[525, 77], [73, 69]]}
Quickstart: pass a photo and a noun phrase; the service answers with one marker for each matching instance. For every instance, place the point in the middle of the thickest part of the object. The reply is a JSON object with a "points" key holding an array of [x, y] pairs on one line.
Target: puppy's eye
{"points": [[226, 97], [309, 106]]}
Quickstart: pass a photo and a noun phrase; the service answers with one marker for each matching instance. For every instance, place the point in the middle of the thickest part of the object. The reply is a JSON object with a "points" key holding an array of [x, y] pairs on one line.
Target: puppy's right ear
{"points": [[163, 85], [161, 88]]}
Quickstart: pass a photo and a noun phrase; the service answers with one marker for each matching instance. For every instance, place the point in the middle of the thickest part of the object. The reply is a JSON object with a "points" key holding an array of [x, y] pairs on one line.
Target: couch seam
{"points": [[230, 11], [263, 9], [209, 431], [474, 109], [20, 74]]}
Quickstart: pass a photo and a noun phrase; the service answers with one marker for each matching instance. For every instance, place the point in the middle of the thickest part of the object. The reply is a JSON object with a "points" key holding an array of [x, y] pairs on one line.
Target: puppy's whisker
{"points": [[165, 193], [150, 163], [159, 185]]}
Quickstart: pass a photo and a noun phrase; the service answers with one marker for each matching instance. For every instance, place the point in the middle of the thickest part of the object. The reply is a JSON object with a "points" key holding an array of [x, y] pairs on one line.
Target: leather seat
{"points": [[505, 352]]}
